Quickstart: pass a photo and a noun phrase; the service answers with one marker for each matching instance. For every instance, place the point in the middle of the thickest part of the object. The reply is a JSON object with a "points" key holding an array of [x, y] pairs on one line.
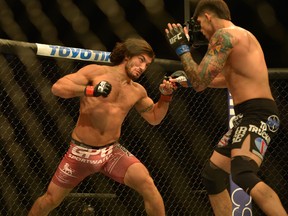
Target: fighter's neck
{"points": [[221, 24], [121, 74]]}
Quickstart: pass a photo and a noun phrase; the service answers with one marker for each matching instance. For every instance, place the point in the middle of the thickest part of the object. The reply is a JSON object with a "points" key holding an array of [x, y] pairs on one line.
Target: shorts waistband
{"points": [[257, 105], [76, 142]]}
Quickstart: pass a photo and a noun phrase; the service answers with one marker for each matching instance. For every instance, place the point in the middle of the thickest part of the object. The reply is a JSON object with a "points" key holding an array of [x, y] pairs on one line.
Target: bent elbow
{"points": [[199, 89], [55, 89], [155, 122], [199, 86], [58, 91]]}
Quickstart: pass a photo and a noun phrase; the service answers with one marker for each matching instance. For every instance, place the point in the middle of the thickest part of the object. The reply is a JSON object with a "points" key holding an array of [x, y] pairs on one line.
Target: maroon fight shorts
{"points": [[82, 160]]}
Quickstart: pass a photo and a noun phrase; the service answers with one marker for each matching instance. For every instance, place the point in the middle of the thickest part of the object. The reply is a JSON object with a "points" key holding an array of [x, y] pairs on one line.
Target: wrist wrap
{"points": [[182, 49], [166, 98], [89, 91]]}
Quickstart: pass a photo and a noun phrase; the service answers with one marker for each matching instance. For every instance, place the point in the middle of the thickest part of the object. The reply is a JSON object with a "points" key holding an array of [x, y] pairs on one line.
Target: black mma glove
{"points": [[103, 88], [178, 40], [180, 78]]}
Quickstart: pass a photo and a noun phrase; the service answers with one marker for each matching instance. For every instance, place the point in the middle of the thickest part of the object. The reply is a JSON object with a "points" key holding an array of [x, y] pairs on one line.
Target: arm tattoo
{"points": [[146, 109], [212, 63], [190, 67]]}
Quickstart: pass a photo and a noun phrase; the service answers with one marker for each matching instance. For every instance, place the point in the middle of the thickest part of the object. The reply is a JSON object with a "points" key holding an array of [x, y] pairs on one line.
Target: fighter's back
{"points": [[245, 70]]}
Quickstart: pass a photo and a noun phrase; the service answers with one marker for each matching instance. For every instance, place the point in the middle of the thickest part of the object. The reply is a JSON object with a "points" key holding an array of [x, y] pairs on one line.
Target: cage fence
{"points": [[36, 128]]}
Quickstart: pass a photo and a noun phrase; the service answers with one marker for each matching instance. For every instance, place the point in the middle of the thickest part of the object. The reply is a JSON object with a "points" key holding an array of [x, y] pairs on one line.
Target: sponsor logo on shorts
{"points": [[239, 134], [66, 172], [273, 123], [67, 169], [95, 161], [261, 131], [261, 145], [225, 139], [235, 120], [91, 156], [87, 153]]}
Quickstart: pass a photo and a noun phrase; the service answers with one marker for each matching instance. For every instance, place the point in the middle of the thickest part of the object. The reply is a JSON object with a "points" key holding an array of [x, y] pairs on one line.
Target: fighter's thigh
{"points": [[221, 161], [245, 150]]}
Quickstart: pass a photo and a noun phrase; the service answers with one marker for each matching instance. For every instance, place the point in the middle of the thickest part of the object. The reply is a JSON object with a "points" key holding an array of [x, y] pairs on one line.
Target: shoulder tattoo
{"points": [[220, 44], [217, 54]]}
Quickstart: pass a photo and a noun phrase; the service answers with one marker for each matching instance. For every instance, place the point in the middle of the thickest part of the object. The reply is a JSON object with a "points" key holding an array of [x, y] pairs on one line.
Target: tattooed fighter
{"points": [[234, 59]]}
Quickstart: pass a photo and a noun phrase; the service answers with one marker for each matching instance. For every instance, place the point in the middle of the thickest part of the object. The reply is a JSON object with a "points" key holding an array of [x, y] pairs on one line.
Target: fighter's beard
{"points": [[130, 74]]}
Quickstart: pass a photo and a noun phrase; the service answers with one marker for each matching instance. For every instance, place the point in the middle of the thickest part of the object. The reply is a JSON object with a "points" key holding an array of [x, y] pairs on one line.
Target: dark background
{"points": [[99, 24], [35, 126]]}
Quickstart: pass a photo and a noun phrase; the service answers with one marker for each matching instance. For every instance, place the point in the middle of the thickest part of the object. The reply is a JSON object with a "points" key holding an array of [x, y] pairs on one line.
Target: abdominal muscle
{"points": [[99, 125]]}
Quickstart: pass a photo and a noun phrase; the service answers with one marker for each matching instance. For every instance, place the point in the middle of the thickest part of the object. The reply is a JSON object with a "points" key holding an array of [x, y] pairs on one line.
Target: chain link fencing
{"points": [[36, 129]]}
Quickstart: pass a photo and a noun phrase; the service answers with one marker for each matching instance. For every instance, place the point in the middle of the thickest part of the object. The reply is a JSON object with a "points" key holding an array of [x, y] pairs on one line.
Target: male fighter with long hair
{"points": [[107, 93]]}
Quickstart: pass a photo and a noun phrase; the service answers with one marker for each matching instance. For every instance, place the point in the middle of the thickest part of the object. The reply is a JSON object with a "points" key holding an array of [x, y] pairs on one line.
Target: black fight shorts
{"points": [[258, 118]]}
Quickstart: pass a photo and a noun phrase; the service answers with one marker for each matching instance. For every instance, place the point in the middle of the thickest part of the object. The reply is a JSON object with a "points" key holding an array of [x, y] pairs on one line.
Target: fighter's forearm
{"points": [[191, 69], [160, 110], [155, 113]]}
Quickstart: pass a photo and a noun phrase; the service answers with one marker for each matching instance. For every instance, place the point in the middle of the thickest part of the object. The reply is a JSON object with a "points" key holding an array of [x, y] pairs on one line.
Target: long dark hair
{"points": [[218, 7], [129, 48]]}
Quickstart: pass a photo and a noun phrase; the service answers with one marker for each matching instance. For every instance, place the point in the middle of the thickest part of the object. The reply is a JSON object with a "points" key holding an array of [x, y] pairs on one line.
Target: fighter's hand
{"points": [[103, 88], [177, 38], [167, 87], [179, 78]]}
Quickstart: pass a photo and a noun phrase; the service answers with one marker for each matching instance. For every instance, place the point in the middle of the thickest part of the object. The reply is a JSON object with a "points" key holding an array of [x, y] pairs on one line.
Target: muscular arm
{"points": [[73, 85], [212, 64], [152, 112]]}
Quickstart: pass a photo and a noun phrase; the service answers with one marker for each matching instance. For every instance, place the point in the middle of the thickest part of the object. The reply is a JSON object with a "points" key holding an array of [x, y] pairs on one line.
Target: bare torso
{"points": [[245, 71], [100, 119]]}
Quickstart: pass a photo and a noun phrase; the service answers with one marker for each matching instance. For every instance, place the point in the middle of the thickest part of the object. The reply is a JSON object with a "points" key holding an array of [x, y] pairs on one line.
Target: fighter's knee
{"points": [[214, 179], [244, 172], [139, 181], [51, 200], [146, 188], [147, 182]]}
